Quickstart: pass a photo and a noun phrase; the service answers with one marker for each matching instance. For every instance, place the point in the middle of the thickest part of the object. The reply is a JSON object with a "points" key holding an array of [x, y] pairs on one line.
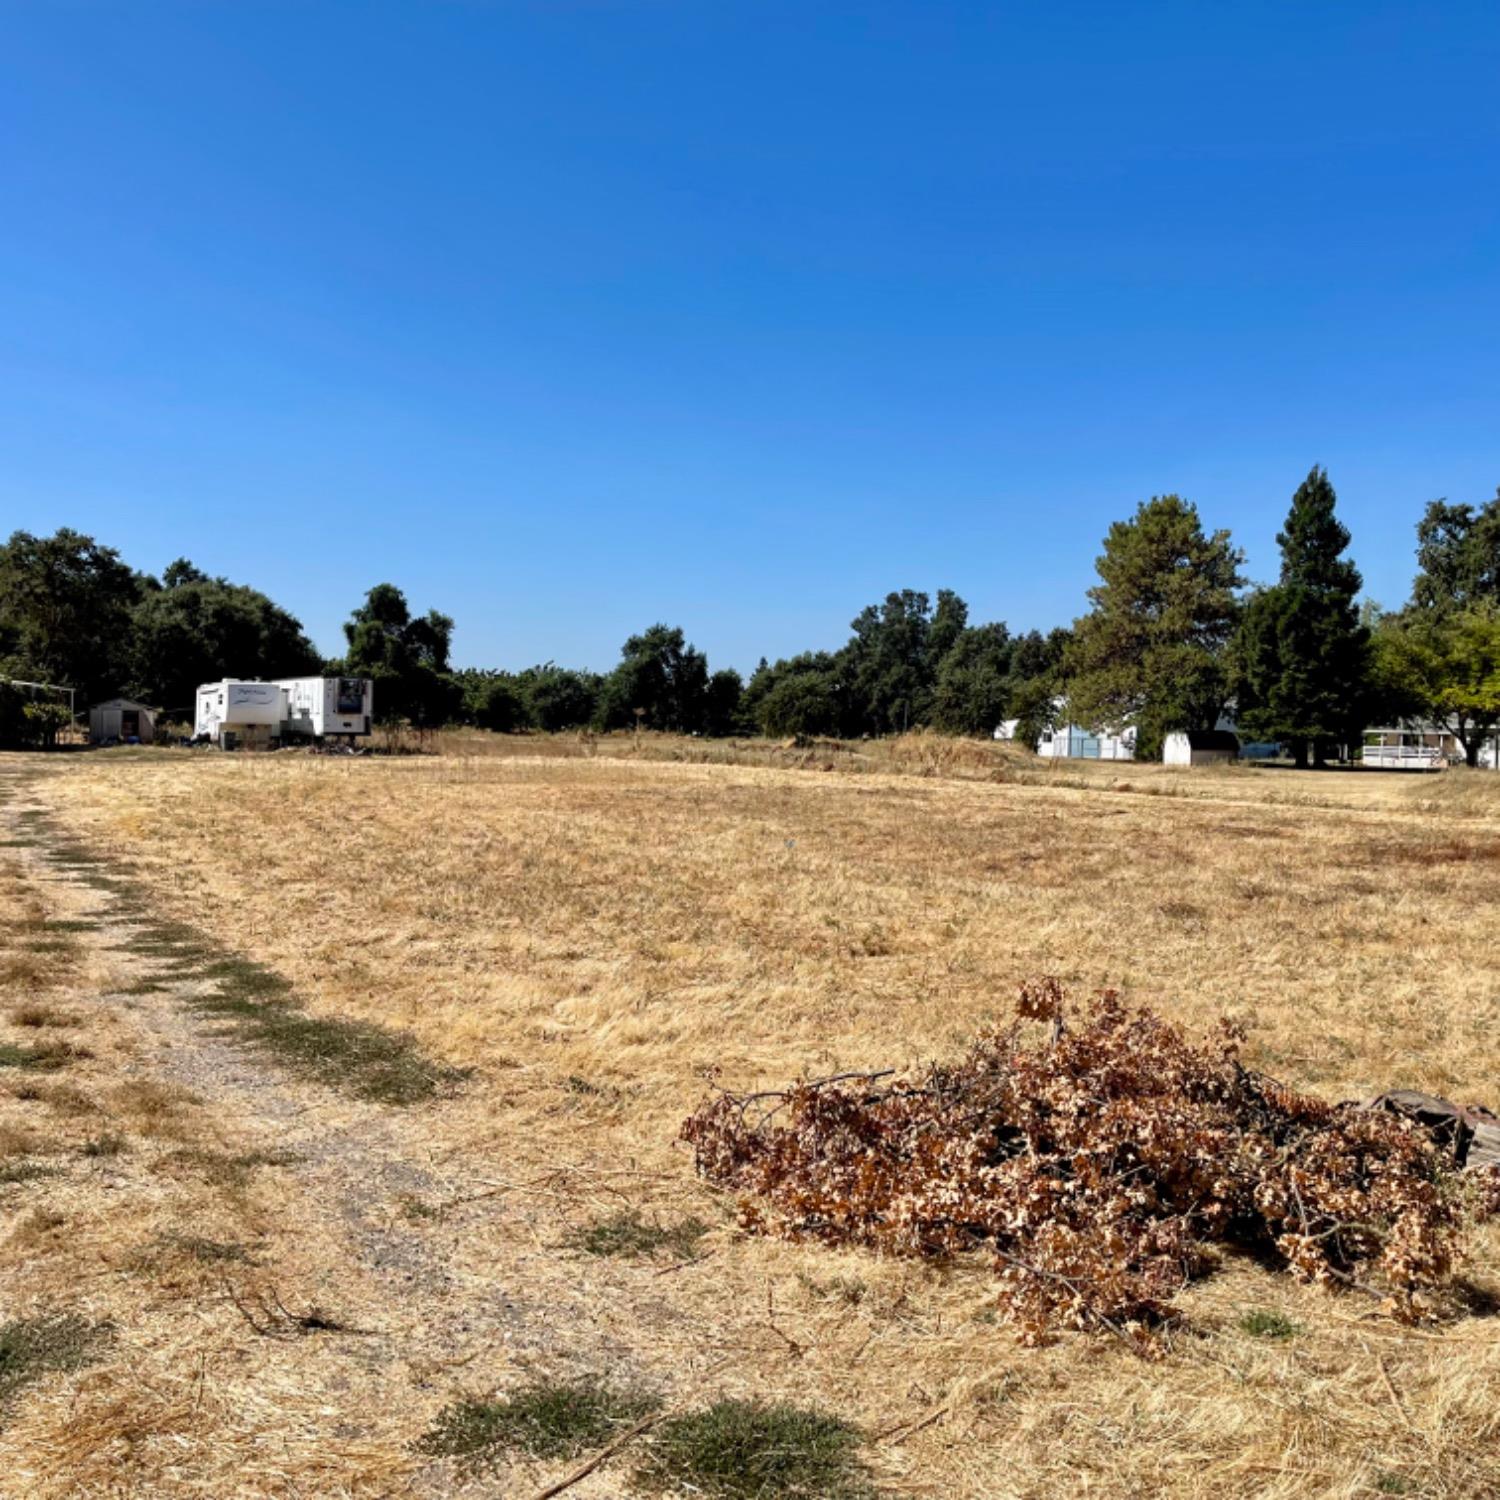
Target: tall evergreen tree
{"points": [[1151, 652], [1303, 653]]}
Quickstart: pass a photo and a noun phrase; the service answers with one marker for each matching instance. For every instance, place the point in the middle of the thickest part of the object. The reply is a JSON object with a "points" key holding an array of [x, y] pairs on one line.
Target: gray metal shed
{"points": [[123, 720]]}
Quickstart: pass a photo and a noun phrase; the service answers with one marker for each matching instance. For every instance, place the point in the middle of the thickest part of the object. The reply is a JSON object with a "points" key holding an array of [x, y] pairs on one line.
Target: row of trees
{"points": [[1172, 639]]}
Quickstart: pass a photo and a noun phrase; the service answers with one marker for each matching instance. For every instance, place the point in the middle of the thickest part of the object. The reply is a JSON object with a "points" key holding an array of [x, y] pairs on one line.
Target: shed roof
{"points": [[122, 703], [1211, 739]]}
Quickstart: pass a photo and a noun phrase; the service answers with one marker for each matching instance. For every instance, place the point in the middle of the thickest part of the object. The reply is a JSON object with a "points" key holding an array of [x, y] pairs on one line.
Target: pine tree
{"points": [[1303, 658], [1151, 652]]}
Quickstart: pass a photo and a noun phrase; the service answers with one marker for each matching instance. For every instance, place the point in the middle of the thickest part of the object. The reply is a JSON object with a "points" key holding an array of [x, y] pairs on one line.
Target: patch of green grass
{"points": [[67, 924], [547, 1419], [33, 1347], [154, 939], [45, 1057], [245, 979], [210, 1252], [1263, 1323], [1389, 1482], [224, 1170], [628, 1236], [357, 1056], [107, 1144], [165, 931], [847, 1289], [753, 1450], [25, 1171], [34, 1016], [575, 1083]]}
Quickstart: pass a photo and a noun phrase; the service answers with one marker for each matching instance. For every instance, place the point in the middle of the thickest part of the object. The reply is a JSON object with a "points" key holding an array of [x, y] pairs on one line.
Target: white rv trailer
{"points": [[238, 714], [234, 713], [316, 706]]}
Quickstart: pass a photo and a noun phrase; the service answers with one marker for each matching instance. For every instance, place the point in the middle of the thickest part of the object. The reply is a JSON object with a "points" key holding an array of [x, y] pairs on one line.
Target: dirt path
{"points": [[323, 1307]]}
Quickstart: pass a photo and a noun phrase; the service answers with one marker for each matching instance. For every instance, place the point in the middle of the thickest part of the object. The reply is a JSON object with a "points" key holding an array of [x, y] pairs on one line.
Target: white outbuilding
{"points": [[121, 721], [1200, 747]]}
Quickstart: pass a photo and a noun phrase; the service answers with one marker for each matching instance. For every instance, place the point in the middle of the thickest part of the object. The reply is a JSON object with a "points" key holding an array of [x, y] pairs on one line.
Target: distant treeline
{"points": [[1172, 638]]}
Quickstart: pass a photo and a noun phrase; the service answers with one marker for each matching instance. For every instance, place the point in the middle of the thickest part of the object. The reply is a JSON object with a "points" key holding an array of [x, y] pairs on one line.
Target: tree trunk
{"points": [[1299, 754]]}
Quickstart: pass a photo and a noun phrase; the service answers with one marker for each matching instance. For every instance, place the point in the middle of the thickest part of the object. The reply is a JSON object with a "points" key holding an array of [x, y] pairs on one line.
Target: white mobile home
{"points": [[236, 714], [316, 706], [122, 721], [1418, 745]]}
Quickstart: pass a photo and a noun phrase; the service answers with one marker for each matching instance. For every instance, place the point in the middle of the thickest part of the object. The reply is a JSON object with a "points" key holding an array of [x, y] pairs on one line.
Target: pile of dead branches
{"points": [[1100, 1163]]}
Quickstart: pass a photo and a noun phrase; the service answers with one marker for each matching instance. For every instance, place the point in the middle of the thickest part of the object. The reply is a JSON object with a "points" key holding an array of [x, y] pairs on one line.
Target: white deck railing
{"points": [[1404, 757]]}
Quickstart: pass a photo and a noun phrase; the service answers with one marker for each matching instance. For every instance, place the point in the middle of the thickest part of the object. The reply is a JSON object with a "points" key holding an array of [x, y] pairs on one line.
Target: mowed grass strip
{"points": [[362, 1058], [359, 1057]]}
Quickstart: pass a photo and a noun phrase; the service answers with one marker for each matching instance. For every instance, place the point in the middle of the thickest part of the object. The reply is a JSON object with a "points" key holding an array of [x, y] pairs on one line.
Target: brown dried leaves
{"points": [[1097, 1166]]}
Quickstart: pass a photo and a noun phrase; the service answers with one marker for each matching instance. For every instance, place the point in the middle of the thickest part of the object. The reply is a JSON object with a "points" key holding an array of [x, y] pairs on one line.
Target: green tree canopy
{"points": [[559, 697], [193, 629], [973, 688], [891, 663], [1443, 667], [1036, 682], [661, 682], [1302, 659], [802, 695], [1151, 651], [1458, 556], [722, 716], [406, 657], [65, 607], [494, 700]]}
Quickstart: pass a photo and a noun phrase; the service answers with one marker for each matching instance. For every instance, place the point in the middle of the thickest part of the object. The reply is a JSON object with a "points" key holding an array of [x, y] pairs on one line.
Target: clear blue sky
{"points": [[568, 317]]}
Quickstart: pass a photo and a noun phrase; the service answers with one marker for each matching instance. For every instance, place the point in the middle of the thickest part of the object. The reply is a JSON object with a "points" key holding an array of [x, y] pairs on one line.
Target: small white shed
{"points": [[1200, 747], [122, 721]]}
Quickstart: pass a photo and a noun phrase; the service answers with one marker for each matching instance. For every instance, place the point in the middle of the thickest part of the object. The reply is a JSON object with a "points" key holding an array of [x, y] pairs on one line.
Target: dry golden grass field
{"points": [[226, 1277]]}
